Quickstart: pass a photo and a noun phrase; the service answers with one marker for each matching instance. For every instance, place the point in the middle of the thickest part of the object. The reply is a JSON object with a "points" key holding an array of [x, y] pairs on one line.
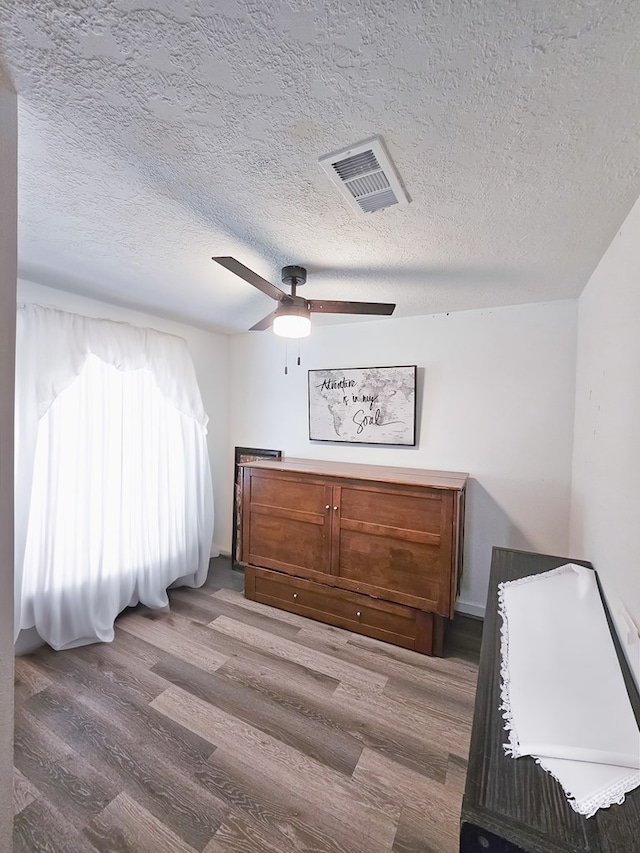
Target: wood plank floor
{"points": [[226, 726]]}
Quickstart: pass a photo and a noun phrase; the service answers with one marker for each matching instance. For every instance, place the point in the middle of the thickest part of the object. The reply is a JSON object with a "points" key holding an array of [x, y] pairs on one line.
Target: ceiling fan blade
{"points": [[264, 323], [327, 306], [249, 276]]}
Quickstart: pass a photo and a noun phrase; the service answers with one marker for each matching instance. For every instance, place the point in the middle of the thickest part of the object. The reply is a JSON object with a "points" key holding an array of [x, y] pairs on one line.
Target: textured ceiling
{"points": [[156, 133]]}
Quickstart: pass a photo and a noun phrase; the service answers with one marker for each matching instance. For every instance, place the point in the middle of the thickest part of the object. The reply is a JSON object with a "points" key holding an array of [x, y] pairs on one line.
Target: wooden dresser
{"points": [[375, 550], [513, 805]]}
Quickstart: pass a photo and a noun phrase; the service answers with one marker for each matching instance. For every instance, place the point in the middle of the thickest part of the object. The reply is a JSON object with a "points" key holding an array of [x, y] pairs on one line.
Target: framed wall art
{"points": [[243, 454], [368, 405]]}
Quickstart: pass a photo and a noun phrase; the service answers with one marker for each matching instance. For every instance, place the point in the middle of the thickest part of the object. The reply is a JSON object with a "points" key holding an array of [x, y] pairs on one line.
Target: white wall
{"points": [[210, 357], [8, 260], [605, 510], [496, 398]]}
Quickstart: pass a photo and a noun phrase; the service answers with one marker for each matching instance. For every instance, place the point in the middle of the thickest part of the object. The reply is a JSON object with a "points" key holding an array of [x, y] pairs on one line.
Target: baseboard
{"points": [[471, 609], [28, 641], [222, 552]]}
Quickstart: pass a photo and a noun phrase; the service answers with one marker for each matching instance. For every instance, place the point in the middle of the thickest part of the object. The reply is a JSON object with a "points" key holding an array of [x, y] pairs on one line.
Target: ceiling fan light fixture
{"points": [[292, 322]]}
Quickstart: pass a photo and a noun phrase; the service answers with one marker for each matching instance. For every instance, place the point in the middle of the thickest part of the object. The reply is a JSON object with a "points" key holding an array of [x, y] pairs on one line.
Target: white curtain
{"points": [[114, 500]]}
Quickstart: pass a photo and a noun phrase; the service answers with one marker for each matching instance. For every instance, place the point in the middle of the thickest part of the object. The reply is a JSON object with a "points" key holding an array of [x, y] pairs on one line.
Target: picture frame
{"points": [[363, 405], [243, 454]]}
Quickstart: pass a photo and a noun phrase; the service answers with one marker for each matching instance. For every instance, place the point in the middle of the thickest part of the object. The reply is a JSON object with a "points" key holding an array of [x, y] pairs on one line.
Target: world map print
{"points": [[372, 405]]}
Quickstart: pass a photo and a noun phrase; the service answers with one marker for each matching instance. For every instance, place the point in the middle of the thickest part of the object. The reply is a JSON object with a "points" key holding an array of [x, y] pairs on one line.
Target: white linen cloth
{"points": [[113, 492], [563, 696]]}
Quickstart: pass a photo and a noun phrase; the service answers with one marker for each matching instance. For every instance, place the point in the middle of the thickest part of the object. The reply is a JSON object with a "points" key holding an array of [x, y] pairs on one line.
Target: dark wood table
{"points": [[513, 805]]}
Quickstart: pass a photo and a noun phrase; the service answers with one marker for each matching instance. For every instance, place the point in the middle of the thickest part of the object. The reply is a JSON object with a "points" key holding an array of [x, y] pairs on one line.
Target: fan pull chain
{"points": [[286, 357]]}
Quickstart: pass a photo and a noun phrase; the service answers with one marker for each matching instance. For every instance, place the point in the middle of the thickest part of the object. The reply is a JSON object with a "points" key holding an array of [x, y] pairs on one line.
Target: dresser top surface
{"points": [[356, 471]]}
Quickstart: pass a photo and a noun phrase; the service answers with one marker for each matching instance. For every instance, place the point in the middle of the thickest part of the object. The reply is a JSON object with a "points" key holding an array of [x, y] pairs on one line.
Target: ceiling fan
{"points": [[292, 317]]}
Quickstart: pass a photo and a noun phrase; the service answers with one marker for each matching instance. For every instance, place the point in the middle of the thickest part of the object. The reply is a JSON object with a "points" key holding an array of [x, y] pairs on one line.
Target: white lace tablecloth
{"points": [[563, 696]]}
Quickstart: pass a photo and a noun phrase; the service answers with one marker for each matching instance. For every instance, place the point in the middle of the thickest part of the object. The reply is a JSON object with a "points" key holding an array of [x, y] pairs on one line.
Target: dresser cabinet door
{"points": [[396, 543], [287, 522]]}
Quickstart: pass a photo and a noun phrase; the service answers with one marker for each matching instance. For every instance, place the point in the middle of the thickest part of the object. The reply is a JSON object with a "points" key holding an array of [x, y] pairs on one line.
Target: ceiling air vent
{"points": [[366, 177]]}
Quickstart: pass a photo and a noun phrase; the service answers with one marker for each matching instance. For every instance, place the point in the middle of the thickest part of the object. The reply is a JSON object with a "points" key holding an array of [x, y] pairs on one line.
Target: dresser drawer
{"points": [[384, 620]]}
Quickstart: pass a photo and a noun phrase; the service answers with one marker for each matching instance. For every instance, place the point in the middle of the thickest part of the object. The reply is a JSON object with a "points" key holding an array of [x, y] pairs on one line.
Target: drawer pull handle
{"points": [[295, 594], [358, 613], [327, 507], [336, 508]]}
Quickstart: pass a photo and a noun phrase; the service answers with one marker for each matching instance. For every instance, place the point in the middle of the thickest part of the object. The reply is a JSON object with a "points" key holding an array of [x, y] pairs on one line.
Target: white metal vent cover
{"points": [[365, 175]]}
